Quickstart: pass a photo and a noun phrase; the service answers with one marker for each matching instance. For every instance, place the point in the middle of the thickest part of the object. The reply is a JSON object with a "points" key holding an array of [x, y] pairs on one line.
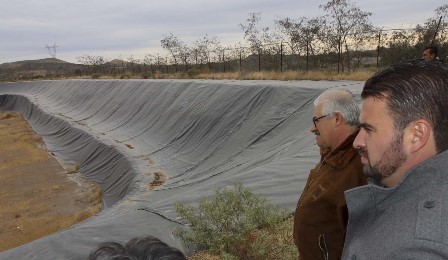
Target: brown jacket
{"points": [[321, 216]]}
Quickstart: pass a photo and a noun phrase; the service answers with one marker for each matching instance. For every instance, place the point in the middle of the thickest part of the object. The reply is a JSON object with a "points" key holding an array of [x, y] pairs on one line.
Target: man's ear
{"points": [[338, 118], [418, 135]]}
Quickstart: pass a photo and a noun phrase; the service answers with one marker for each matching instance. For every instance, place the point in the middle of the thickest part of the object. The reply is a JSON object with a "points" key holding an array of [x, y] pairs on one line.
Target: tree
{"points": [[134, 63], [238, 52], [344, 20], [150, 60], [442, 25], [400, 45], [302, 34], [434, 29], [175, 46], [261, 39], [252, 33], [95, 63], [203, 48]]}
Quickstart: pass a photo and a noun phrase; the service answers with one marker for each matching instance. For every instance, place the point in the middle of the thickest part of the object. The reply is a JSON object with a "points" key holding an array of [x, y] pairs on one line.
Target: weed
{"points": [[95, 76], [193, 72], [236, 223]]}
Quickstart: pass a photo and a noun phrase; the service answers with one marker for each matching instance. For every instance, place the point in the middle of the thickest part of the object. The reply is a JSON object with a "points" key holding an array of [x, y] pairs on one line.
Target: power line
{"points": [[25, 55], [52, 53]]}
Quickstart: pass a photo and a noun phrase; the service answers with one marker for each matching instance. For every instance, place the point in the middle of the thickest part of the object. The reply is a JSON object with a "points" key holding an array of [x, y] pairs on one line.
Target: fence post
{"points": [[281, 56], [348, 57], [224, 60], [435, 32], [240, 61], [378, 50], [307, 55]]}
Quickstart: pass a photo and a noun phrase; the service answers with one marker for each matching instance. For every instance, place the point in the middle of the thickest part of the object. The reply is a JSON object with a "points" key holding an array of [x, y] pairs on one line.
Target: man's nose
{"points": [[359, 140]]}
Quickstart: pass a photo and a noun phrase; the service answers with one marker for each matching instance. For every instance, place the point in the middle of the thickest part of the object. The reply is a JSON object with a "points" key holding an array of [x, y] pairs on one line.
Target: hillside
{"points": [[34, 69]]}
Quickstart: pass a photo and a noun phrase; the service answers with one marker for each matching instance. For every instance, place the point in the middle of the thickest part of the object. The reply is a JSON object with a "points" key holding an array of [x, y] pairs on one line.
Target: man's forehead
{"points": [[373, 110], [372, 106], [318, 109]]}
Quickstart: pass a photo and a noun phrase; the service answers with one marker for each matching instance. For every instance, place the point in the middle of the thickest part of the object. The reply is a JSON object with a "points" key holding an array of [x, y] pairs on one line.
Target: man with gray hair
{"points": [[321, 215]]}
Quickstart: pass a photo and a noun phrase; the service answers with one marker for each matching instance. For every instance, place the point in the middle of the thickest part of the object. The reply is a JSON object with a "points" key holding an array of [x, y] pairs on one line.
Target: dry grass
{"points": [[283, 236], [204, 255], [361, 75], [38, 196]]}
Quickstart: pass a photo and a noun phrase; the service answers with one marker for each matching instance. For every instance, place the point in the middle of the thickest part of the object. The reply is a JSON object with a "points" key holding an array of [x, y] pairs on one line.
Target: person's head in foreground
{"points": [[404, 119], [430, 53], [140, 248], [335, 117]]}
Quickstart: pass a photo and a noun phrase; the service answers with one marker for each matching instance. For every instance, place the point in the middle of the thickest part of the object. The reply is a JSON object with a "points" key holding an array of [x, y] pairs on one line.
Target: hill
{"points": [[34, 69]]}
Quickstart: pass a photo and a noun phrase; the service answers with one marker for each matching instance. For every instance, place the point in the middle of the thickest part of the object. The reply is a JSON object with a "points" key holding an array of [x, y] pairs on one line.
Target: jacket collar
{"points": [[431, 170], [342, 155], [429, 173]]}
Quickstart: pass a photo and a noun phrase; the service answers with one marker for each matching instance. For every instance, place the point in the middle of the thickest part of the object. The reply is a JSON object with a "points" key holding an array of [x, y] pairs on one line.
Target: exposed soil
{"points": [[38, 196]]}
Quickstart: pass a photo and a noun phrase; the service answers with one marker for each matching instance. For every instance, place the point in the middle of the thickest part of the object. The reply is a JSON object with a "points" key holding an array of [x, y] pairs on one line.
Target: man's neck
{"points": [[342, 135], [412, 161]]}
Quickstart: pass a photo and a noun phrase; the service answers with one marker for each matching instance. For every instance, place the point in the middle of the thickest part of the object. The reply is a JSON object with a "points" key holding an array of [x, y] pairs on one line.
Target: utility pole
{"points": [[437, 29], [378, 48], [50, 48]]}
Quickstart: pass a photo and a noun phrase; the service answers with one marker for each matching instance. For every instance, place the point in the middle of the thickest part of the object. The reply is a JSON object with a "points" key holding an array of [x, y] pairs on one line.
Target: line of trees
{"points": [[343, 39]]}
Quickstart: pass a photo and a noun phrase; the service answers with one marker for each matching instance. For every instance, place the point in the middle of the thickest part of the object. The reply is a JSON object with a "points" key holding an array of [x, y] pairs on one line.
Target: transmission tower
{"points": [[51, 50]]}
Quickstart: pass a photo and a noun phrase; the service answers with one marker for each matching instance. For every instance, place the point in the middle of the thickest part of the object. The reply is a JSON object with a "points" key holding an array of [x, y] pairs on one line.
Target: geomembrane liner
{"points": [[201, 134]]}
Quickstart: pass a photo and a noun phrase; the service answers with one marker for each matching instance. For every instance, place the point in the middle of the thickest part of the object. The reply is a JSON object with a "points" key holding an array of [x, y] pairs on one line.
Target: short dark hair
{"points": [[432, 49], [139, 248], [413, 90]]}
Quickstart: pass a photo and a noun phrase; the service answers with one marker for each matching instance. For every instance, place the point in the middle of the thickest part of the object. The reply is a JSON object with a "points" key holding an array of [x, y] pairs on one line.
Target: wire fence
{"points": [[378, 49]]}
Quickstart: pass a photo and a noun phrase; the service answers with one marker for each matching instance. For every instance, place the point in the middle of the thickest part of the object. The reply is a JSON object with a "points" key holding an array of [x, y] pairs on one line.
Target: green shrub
{"points": [[236, 223]]}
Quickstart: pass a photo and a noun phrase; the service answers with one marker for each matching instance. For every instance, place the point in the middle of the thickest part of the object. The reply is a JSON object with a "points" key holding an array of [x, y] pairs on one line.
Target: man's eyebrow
{"points": [[366, 125]]}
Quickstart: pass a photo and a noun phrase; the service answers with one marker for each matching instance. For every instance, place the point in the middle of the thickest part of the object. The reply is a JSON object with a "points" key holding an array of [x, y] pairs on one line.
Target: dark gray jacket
{"points": [[409, 221]]}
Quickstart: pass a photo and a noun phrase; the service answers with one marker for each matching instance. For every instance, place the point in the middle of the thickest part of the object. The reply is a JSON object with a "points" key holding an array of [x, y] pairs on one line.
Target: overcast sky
{"points": [[121, 28]]}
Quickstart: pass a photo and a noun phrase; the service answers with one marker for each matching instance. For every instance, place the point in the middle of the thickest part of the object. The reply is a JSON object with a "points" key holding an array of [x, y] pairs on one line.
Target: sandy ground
{"points": [[37, 195]]}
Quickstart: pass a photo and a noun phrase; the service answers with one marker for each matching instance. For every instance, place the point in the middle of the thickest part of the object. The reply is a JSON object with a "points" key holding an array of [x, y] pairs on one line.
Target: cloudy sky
{"points": [[121, 28]]}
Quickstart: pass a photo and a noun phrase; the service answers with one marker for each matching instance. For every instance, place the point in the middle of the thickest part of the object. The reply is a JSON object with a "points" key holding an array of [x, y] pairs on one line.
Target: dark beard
{"points": [[392, 158]]}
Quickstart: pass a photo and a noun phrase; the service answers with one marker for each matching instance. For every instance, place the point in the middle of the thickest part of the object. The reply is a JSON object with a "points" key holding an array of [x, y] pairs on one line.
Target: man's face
{"points": [[322, 128], [380, 147], [427, 55]]}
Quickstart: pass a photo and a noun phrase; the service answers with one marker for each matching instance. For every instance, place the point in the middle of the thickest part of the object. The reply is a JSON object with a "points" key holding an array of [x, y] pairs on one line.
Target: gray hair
{"points": [[340, 100]]}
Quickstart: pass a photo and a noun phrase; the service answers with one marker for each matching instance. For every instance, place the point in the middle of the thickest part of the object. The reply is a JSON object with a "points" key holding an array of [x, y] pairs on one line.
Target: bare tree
{"points": [[302, 34], [93, 63], [400, 45], [344, 20], [204, 47], [434, 29], [252, 33], [238, 52], [150, 60], [155, 61], [175, 47]]}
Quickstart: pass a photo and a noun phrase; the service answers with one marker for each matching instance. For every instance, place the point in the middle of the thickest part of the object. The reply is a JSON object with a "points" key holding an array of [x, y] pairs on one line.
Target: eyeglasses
{"points": [[316, 119]]}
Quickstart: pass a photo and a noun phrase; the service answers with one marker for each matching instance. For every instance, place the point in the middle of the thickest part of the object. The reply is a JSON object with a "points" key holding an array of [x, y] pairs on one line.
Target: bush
{"points": [[192, 72], [95, 76], [126, 76], [146, 75], [236, 223]]}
